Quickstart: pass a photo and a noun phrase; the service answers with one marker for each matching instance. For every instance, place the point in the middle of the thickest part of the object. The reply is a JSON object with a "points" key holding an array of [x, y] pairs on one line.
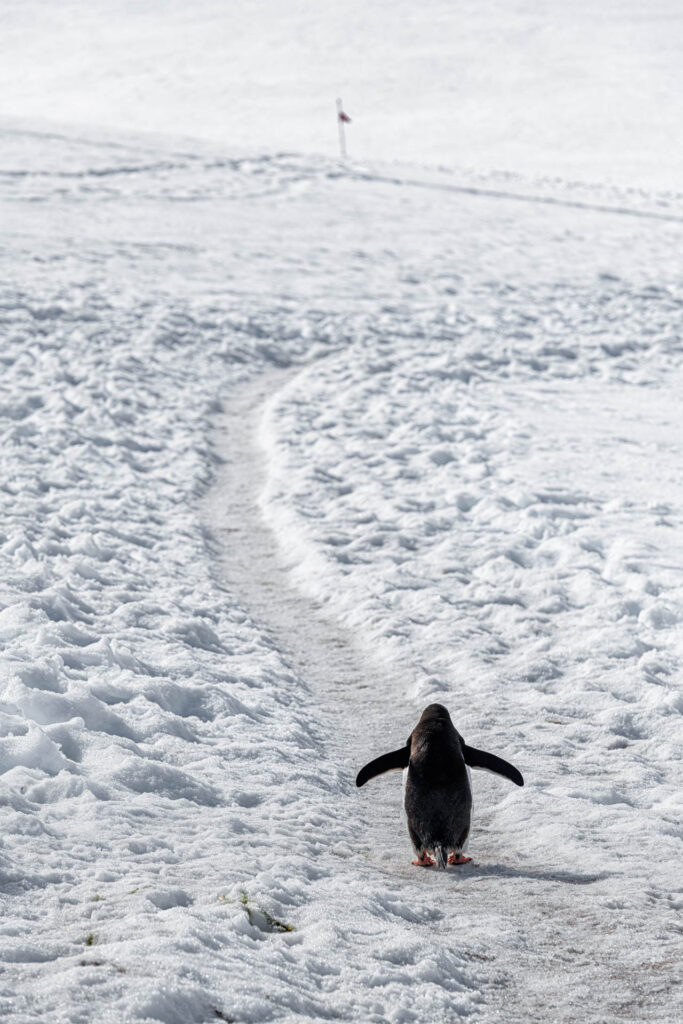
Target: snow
{"points": [[580, 90], [292, 448]]}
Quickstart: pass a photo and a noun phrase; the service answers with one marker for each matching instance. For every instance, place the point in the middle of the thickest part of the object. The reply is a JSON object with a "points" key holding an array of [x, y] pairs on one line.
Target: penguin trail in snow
{"points": [[438, 794]]}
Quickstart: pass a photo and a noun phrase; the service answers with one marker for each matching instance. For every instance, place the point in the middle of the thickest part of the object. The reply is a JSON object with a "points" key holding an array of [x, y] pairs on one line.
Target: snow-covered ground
{"points": [[584, 90], [292, 448]]}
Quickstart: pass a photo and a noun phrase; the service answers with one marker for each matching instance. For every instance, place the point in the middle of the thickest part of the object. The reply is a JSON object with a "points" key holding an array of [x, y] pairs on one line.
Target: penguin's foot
{"points": [[457, 858], [425, 861]]}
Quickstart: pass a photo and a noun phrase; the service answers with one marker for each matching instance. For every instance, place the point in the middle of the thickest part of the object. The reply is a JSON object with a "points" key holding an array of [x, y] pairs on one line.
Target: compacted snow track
{"points": [[352, 692], [545, 931]]}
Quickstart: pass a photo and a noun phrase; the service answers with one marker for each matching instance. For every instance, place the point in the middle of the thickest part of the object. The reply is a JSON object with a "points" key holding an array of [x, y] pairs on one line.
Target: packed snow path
{"points": [[550, 921], [288, 453]]}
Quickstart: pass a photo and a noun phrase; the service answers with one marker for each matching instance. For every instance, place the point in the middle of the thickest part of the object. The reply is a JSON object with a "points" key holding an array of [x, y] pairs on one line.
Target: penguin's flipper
{"points": [[386, 763], [490, 763]]}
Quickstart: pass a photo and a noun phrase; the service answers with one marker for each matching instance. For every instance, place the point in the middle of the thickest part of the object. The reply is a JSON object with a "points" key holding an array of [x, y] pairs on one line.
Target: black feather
{"points": [[490, 763], [394, 760]]}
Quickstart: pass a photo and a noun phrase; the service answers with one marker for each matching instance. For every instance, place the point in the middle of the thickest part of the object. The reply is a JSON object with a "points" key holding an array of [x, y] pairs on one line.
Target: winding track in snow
{"points": [[325, 656], [548, 930]]}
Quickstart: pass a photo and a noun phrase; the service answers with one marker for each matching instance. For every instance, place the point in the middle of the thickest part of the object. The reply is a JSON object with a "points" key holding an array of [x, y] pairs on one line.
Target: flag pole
{"points": [[342, 135]]}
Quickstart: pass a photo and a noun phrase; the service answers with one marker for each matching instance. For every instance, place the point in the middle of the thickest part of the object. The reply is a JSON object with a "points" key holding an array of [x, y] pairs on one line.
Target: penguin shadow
{"points": [[482, 871]]}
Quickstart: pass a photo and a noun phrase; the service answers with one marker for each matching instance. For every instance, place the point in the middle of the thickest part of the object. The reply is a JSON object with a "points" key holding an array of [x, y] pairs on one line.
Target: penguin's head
{"points": [[434, 742], [435, 713]]}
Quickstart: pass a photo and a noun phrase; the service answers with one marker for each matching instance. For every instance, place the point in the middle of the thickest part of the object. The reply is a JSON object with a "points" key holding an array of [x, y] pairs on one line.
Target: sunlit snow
{"points": [[292, 447]]}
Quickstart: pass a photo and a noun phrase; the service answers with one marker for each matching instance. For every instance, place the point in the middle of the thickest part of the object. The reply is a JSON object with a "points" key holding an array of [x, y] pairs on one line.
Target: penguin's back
{"points": [[439, 813], [438, 795]]}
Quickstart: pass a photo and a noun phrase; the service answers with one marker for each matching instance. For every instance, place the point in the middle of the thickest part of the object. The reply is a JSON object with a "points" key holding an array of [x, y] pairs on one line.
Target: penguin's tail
{"points": [[440, 855]]}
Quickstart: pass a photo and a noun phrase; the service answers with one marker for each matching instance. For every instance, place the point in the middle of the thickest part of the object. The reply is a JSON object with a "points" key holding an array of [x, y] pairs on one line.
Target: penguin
{"points": [[438, 794]]}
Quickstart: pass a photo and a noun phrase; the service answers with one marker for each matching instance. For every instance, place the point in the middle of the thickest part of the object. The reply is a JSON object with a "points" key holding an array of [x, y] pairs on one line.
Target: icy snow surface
{"points": [[289, 450]]}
